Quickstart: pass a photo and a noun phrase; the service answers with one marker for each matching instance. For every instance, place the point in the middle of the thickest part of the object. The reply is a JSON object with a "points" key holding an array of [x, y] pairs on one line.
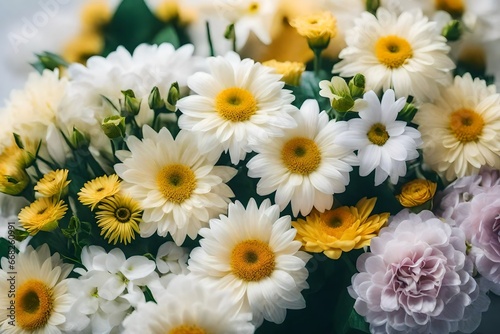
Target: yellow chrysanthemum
{"points": [[416, 192], [317, 28], [54, 183], [96, 190], [118, 218], [340, 230], [42, 215], [95, 15], [291, 71]]}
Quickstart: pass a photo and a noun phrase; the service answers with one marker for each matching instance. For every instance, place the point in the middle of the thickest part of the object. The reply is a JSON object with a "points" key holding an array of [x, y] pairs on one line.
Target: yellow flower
{"points": [[54, 183], [82, 47], [118, 218], [42, 215], [95, 15], [317, 28], [13, 178], [96, 190], [291, 71], [416, 192], [340, 230]]}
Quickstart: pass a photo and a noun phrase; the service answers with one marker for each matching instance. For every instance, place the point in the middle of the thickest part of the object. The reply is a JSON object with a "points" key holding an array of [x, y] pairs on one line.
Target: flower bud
{"points": [[317, 28], [114, 126], [155, 101], [13, 181], [130, 105], [357, 85], [407, 113], [173, 97], [453, 30], [416, 193], [78, 139]]}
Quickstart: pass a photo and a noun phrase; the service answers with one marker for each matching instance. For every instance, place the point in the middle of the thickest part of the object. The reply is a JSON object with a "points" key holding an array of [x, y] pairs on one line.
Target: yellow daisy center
{"points": [[467, 125], [235, 104], [123, 215], [378, 134], [253, 8], [301, 155], [393, 51], [34, 305], [335, 222], [252, 260], [176, 182], [187, 329], [455, 7]]}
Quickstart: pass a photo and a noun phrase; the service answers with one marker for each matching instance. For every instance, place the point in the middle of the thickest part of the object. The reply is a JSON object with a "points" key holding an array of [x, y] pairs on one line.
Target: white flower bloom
{"points": [[187, 306], [9, 209], [252, 253], [461, 129], [403, 52], [239, 102], [383, 143], [172, 259], [178, 187], [41, 293], [306, 166]]}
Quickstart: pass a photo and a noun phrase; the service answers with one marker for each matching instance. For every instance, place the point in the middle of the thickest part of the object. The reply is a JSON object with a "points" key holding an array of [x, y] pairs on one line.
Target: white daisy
{"points": [[383, 143], [240, 101], [252, 252], [306, 166], [39, 295], [178, 187], [403, 52], [187, 306], [461, 129]]}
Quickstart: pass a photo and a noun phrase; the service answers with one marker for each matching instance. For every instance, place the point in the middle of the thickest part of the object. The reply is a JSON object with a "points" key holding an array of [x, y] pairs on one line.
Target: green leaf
{"points": [[358, 322], [132, 24], [167, 35]]}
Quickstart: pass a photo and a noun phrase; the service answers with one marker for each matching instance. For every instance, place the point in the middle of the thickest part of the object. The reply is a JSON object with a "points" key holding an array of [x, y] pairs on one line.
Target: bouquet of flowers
{"points": [[266, 166]]}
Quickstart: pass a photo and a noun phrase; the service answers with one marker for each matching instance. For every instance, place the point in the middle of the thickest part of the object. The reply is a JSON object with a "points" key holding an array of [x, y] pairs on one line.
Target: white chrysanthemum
{"points": [[383, 143], [172, 259], [252, 252], [306, 166], [187, 306], [9, 221], [240, 101], [39, 293], [178, 187], [403, 52], [461, 129]]}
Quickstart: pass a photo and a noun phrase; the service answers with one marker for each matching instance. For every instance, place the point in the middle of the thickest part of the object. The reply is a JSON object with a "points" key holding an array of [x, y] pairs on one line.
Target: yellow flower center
{"points": [[301, 155], [253, 8], [393, 51], [176, 182], [378, 134], [235, 104], [336, 221], [466, 125], [123, 215], [34, 305], [455, 7], [187, 329], [252, 260]]}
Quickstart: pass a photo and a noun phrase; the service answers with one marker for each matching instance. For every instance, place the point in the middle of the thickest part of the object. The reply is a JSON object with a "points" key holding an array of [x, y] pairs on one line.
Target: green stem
{"points": [[209, 38], [234, 40], [317, 61]]}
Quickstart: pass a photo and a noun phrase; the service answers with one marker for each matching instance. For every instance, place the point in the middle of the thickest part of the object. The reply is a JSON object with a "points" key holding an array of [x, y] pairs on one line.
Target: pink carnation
{"points": [[417, 279]]}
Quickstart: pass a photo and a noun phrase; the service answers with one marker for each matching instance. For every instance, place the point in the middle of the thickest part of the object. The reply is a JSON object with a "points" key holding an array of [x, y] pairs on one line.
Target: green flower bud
{"points": [[78, 139], [357, 85], [453, 30], [130, 105], [114, 126], [343, 104], [407, 113], [155, 101], [229, 32], [173, 97]]}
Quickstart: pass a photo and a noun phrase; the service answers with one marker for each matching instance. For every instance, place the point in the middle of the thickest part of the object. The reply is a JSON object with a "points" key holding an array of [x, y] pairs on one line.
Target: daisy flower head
{"points": [[252, 253], [306, 166], [42, 215], [403, 52], [461, 129], [178, 187], [54, 183], [340, 230], [383, 143], [188, 307], [41, 299], [239, 102], [94, 191], [119, 216]]}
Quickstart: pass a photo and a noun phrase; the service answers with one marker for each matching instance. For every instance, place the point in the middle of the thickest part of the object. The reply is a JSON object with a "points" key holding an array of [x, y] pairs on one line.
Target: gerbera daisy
{"points": [[53, 183], [252, 252], [306, 166], [403, 52], [118, 217], [461, 129], [42, 215], [383, 143], [240, 101], [41, 297], [188, 307], [340, 230], [178, 187], [94, 191]]}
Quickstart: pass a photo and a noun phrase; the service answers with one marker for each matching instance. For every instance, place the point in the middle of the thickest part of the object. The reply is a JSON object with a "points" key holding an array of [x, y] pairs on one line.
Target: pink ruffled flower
{"points": [[417, 279]]}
